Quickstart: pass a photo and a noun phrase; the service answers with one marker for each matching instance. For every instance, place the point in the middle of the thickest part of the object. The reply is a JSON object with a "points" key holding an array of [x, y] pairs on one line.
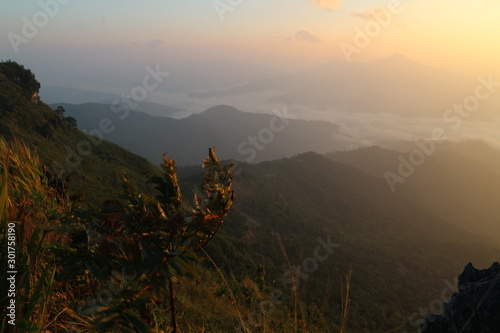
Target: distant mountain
{"points": [[94, 165], [237, 135], [55, 96], [460, 182], [195, 74], [151, 109], [394, 84], [52, 95]]}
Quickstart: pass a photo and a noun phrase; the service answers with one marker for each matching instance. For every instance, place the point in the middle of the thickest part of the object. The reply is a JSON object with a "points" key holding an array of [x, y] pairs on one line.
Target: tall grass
{"points": [[240, 317], [295, 297], [27, 200]]}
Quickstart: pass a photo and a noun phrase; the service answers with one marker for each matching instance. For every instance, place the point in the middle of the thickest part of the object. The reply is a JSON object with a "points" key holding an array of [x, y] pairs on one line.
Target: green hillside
{"points": [[93, 165]]}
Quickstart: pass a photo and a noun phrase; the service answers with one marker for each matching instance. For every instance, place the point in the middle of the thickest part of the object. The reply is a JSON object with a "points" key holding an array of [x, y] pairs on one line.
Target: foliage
{"points": [[32, 206], [152, 239], [24, 77], [70, 122]]}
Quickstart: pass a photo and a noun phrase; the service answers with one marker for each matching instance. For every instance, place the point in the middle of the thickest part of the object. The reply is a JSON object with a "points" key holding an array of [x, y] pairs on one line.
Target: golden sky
{"points": [[461, 35]]}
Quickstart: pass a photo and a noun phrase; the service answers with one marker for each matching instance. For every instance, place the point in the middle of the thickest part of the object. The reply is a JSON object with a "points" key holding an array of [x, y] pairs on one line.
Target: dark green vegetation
{"points": [[320, 218], [61, 260], [400, 253]]}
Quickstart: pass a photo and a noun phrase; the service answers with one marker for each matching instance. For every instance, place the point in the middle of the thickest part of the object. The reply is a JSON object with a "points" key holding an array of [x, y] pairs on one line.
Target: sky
{"points": [[283, 34]]}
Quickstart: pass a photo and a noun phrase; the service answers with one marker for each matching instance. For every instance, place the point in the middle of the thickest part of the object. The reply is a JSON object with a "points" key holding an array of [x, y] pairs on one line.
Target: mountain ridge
{"points": [[238, 135], [460, 181], [394, 84]]}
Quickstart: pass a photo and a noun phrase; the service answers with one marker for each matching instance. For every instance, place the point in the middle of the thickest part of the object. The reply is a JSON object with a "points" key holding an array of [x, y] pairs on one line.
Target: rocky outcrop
{"points": [[22, 77], [35, 98], [475, 308]]}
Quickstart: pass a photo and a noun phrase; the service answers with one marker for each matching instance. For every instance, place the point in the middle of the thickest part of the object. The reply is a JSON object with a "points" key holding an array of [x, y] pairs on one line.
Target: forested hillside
{"points": [[401, 256], [459, 182]]}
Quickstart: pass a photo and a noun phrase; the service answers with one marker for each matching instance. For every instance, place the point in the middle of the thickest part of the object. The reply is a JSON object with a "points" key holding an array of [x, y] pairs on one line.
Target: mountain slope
{"points": [[401, 255], [94, 165], [459, 182]]}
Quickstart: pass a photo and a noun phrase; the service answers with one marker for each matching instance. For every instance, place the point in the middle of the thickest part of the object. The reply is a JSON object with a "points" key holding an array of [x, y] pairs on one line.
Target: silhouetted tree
{"points": [[60, 111], [24, 77], [70, 121]]}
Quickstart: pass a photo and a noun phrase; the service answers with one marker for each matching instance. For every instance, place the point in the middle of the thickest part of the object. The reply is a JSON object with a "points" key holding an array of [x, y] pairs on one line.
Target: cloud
{"points": [[156, 43], [369, 14], [328, 4], [306, 36]]}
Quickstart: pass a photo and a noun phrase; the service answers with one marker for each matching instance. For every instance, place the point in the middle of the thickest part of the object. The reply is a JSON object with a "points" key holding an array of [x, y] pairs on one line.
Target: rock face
{"points": [[35, 98], [475, 308]]}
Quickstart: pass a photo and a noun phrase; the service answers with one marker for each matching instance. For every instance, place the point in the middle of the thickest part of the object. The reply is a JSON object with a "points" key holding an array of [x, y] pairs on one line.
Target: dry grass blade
{"points": [[228, 288], [346, 302], [296, 299], [28, 200]]}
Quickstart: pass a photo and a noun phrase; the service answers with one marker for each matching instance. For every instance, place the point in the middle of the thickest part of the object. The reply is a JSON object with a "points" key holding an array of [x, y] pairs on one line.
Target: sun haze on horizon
{"points": [[459, 35]]}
